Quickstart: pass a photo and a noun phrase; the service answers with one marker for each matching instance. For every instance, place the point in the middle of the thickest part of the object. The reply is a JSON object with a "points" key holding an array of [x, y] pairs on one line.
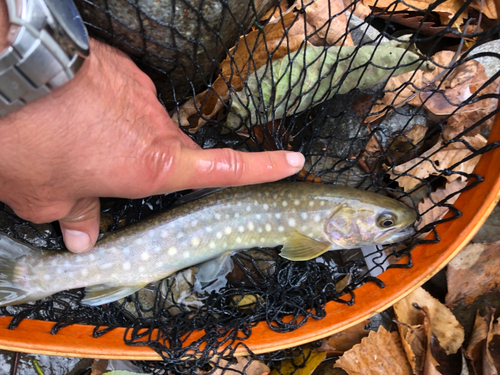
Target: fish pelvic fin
{"points": [[104, 293], [12, 291], [301, 247]]}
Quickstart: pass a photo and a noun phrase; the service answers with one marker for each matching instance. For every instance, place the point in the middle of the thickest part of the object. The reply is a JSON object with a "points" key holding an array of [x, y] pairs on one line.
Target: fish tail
{"points": [[12, 272]]}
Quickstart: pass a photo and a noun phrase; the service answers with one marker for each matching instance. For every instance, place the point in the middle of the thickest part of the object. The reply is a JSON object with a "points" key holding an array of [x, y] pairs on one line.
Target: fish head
{"points": [[372, 220]]}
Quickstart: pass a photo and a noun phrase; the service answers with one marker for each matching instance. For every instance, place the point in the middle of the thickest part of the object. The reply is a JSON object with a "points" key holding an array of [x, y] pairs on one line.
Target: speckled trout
{"points": [[307, 219]]}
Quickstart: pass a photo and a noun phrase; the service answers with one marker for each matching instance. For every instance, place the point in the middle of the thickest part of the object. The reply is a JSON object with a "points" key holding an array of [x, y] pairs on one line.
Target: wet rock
{"points": [[491, 64], [178, 43], [362, 33]]}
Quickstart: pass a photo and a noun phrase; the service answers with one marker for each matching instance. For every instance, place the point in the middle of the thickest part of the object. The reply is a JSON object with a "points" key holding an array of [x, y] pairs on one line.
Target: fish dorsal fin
{"points": [[103, 293], [301, 247]]}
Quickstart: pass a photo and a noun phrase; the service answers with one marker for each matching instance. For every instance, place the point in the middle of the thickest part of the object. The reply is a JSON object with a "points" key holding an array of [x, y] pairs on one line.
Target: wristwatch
{"points": [[48, 43]]}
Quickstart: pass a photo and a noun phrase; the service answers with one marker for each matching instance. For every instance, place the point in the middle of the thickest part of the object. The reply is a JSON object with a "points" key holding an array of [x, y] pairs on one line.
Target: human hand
{"points": [[105, 134]]}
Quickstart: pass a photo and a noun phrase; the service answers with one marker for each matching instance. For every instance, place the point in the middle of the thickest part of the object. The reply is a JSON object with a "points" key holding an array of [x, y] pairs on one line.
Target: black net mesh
{"points": [[394, 102]]}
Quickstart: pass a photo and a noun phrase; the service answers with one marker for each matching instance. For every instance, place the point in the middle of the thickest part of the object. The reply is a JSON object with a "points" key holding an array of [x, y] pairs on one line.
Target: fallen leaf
{"points": [[345, 340], [357, 8], [446, 10], [304, 364], [478, 348], [473, 272], [438, 159], [242, 366], [444, 325], [430, 211], [379, 353], [487, 7]]}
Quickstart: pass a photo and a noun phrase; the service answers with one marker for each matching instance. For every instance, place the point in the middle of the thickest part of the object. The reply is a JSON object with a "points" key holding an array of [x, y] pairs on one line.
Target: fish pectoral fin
{"points": [[302, 247], [103, 293], [217, 267]]}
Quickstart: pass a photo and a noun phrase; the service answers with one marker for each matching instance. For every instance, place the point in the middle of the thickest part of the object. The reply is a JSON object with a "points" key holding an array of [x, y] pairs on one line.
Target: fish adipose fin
{"points": [[302, 247], [103, 293], [11, 271]]}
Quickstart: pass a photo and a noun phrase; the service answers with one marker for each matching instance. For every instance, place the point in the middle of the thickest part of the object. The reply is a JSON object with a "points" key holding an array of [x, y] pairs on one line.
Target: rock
{"points": [[491, 64], [362, 33], [178, 43]]}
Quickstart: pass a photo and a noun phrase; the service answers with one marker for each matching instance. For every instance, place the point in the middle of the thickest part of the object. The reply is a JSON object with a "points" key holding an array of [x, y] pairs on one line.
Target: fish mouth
{"points": [[396, 236]]}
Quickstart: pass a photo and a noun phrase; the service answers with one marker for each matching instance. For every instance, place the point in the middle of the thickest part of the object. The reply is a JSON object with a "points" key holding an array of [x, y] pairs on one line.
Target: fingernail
{"points": [[76, 241], [295, 159]]}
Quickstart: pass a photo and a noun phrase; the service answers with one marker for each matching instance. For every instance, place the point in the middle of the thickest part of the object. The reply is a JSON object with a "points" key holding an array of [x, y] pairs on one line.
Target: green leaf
{"points": [[314, 74]]}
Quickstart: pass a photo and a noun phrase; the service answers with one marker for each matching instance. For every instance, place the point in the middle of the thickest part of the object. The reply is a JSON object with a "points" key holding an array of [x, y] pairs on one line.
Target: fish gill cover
{"points": [[389, 96]]}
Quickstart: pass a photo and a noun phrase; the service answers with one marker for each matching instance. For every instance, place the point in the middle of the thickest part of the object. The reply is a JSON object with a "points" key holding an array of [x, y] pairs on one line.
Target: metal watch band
{"points": [[34, 64]]}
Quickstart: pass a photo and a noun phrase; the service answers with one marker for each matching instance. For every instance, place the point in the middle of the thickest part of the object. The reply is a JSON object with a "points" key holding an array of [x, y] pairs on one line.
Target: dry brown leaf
{"points": [[487, 7], [446, 10], [380, 353], [430, 362], [430, 213], [414, 343], [437, 159], [478, 349], [473, 272], [242, 366], [281, 36], [345, 340], [357, 8], [444, 325]]}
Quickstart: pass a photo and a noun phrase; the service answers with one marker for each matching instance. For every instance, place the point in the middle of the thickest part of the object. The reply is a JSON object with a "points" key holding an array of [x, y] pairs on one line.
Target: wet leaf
{"points": [[345, 340], [443, 323], [472, 273], [304, 364], [379, 353], [487, 7]]}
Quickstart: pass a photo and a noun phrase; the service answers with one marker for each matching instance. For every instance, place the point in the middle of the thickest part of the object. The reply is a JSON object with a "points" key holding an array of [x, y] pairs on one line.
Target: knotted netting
{"points": [[384, 96]]}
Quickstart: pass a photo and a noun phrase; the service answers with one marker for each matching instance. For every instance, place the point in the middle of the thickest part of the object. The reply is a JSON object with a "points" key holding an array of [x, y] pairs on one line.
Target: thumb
{"points": [[80, 227]]}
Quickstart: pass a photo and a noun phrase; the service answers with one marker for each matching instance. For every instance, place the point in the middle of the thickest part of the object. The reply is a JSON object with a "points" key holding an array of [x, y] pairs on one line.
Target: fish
{"points": [[307, 219]]}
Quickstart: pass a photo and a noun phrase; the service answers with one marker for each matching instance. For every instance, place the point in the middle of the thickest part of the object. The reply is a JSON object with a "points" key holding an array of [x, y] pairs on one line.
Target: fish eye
{"points": [[386, 220]]}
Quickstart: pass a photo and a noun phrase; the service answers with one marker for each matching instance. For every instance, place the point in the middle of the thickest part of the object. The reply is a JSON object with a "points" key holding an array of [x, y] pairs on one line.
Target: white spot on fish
{"points": [[159, 264], [217, 216], [114, 250], [316, 218], [241, 229], [224, 245], [268, 227], [46, 276], [322, 203], [296, 202], [237, 214], [208, 229], [262, 239], [259, 229], [291, 222], [304, 227], [238, 239], [172, 251], [303, 215], [195, 241], [180, 235], [126, 266], [219, 235], [256, 203], [194, 223], [258, 216], [211, 245], [157, 249], [284, 203], [106, 265], [59, 270], [253, 240], [239, 203], [151, 233], [142, 269], [278, 216], [227, 216], [266, 206], [185, 254], [92, 257], [311, 203], [145, 256], [84, 272], [163, 234], [250, 226], [281, 229], [227, 230], [248, 208], [274, 204]]}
